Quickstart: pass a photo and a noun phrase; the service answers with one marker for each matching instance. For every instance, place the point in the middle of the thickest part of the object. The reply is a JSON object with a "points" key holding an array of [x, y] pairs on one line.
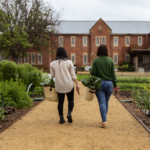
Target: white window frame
{"points": [[115, 37], [61, 42], [85, 41], [86, 59], [74, 58], [97, 44], [114, 58], [73, 44], [141, 41], [34, 58], [20, 61], [103, 37], [126, 44], [39, 54], [27, 59], [127, 55]]}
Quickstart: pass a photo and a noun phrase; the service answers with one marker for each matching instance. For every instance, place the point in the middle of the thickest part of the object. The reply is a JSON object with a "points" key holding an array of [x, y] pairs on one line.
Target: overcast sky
{"points": [[113, 10]]}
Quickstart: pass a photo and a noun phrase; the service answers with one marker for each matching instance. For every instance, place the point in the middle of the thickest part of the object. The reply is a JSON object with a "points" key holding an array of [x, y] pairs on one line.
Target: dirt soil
{"points": [[11, 117], [126, 95], [40, 128]]}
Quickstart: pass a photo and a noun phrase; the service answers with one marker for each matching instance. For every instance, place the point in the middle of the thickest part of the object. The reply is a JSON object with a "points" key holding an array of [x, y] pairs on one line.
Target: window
{"points": [[26, 59], [73, 58], [84, 41], [72, 41], [146, 59], [127, 57], [139, 41], [39, 58], [115, 58], [32, 58], [103, 40], [115, 41], [127, 41], [97, 40], [60, 41], [84, 58], [20, 61]]}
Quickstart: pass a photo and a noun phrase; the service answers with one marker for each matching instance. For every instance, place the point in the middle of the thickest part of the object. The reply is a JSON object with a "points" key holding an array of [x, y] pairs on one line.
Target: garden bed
{"points": [[126, 95], [11, 118]]}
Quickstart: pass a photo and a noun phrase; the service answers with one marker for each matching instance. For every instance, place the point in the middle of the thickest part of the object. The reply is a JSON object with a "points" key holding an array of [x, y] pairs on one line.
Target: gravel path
{"points": [[40, 130]]}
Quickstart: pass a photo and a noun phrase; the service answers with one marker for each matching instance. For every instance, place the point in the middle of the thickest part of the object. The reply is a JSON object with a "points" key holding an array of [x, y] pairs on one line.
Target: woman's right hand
{"points": [[116, 89], [77, 89]]}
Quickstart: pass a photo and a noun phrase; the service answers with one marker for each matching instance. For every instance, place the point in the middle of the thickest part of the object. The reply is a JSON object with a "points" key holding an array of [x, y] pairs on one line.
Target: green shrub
{"points": [[39, 90], [8, 70], [126, 63], [30, 74], [15, 94]]}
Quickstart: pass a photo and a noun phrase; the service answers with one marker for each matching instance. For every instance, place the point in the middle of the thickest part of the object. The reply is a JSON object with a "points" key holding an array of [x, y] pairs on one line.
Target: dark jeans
{"points": [[61, 97], [103, 94]]}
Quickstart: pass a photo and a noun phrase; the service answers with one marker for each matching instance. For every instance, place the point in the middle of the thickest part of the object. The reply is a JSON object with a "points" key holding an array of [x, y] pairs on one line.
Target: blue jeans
{"points": [[103, 94]]}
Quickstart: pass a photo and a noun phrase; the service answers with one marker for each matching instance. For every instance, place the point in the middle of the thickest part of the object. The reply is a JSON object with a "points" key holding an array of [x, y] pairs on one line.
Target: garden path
{"points": [[40, 130]]}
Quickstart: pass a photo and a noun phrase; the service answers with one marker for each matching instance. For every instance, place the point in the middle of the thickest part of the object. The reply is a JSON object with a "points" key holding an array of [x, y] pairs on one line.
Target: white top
{"points": [[64, 75]]}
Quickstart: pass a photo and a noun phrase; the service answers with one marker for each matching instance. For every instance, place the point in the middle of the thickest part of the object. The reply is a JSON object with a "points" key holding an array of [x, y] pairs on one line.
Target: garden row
{"points": [[14, 83], [140, 91]]}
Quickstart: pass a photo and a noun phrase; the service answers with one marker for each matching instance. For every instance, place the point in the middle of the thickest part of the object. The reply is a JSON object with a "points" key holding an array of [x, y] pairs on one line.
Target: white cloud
{"points": [[105, 9]]}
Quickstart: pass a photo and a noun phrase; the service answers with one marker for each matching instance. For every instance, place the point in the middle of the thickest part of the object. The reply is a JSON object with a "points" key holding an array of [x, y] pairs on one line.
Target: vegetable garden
{"points": [[14, 89]]}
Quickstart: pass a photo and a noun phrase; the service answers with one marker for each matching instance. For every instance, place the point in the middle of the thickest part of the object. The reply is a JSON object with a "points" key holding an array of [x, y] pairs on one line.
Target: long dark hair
{"points": [[61, 54], [102, 50]]}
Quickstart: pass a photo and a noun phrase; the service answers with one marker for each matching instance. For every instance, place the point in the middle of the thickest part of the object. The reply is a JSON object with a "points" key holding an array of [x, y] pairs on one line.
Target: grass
{"points": [[81, 76]]}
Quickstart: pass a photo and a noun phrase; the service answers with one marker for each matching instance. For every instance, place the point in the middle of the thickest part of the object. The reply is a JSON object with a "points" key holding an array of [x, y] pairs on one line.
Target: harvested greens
{"points": [[93, 83]]}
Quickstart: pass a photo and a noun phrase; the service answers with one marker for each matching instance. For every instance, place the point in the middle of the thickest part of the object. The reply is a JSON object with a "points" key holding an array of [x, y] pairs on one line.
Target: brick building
{"points": [[125, 40]]}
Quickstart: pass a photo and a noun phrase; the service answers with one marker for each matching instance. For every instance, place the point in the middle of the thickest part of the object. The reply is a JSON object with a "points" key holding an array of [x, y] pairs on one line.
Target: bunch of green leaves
{"points": [[15, 94], [8, 70], [2, 115], [93, 82]]}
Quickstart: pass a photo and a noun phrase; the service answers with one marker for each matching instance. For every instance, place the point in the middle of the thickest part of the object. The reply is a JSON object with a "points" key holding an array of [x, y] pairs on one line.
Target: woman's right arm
{"points": [[93, 70], [52, 71]]}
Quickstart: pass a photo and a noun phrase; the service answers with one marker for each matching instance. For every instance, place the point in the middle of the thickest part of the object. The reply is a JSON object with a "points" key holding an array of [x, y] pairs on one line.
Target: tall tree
{"points": [[26, 24]]}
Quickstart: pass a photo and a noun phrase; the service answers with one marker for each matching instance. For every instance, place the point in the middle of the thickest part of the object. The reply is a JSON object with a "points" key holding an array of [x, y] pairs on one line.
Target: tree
{"points": [[26, 24]]}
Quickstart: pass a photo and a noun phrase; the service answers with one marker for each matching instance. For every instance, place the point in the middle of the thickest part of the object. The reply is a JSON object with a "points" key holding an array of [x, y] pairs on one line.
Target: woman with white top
{"points": [[63, 71]]}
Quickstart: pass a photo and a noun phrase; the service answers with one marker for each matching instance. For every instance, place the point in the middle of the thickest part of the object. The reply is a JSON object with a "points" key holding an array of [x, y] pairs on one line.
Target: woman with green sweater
{"points": [[103, 67]]}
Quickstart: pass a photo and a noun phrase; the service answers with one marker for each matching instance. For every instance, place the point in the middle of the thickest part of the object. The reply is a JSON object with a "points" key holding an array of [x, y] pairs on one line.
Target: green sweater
{"points": [[103, 67]]}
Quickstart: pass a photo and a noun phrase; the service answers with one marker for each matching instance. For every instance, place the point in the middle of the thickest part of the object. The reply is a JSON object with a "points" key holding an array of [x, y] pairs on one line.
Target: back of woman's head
{"points": [[102, 50], [61, 53]]}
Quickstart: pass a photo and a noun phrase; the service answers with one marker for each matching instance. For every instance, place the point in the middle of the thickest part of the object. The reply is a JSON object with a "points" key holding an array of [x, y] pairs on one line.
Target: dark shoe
{"points": [[62, 120], [69, 118]]}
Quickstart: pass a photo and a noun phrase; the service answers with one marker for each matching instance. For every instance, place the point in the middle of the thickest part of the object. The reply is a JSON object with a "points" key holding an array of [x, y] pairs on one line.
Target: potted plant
{"points": [[92, 84]]}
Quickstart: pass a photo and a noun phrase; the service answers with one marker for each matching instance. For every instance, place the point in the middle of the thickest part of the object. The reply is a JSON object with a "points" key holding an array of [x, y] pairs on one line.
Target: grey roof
{"points": [[118, 27]]}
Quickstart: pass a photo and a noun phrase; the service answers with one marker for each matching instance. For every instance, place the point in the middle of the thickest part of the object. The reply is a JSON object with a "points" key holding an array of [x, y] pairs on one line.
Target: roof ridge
{"points": [[104, 21]]}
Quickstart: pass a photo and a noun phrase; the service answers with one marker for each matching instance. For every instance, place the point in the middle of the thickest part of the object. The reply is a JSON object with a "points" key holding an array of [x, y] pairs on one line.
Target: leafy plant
{"points": [[93, 82], [39, 90], [8, 70], [15, 94], [2, 116], [29, 74]]}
